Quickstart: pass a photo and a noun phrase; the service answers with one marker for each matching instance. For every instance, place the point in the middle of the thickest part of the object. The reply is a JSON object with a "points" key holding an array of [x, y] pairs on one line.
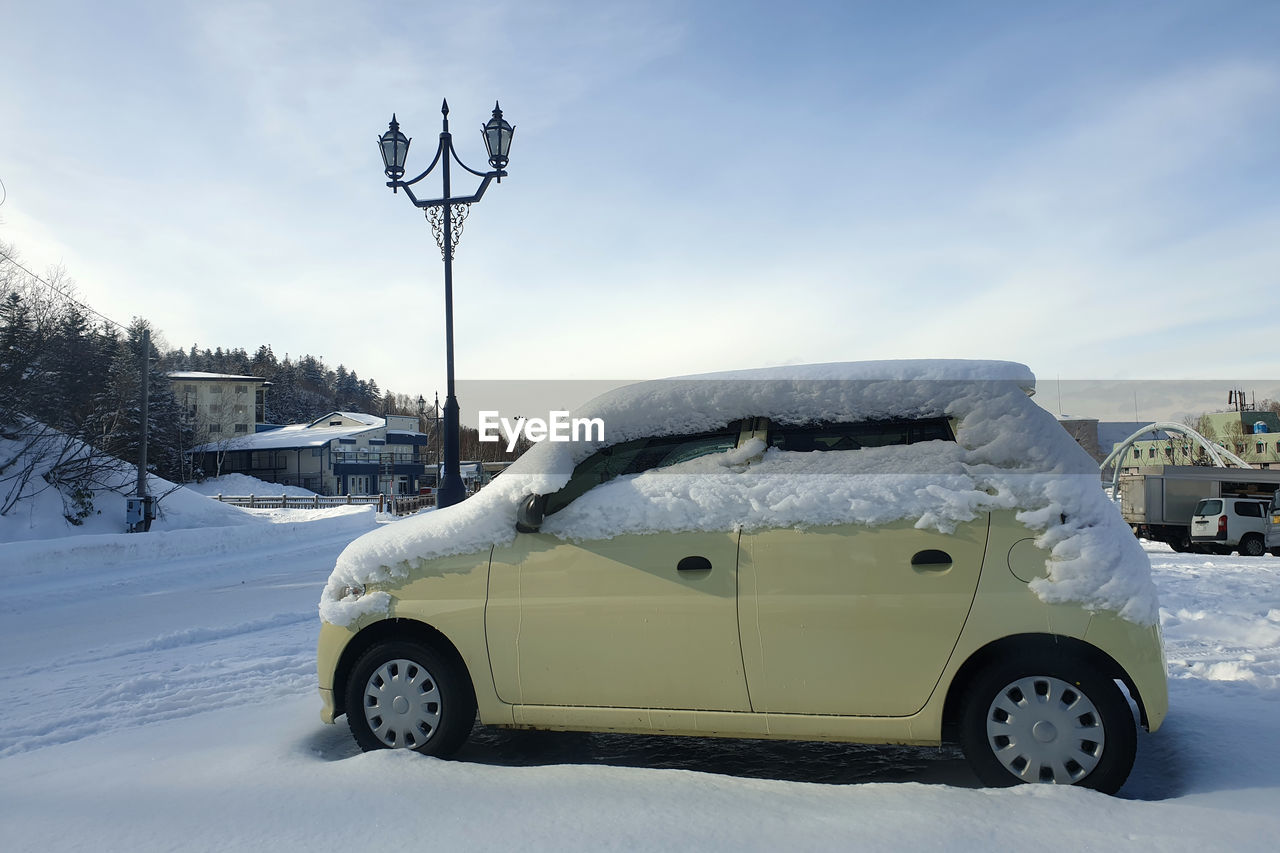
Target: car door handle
{"points": [[931, 560], [694, 564]]}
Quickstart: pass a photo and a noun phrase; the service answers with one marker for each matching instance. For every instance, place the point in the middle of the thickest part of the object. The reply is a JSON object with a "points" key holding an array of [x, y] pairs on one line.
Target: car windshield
{"points": [[1209, 507]]}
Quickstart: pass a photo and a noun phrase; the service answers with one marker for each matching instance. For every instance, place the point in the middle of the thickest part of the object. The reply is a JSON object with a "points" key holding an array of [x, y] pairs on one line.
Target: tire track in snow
{"points": [[191, 637], [143, 687], [201, 568], [245, 619], [150, 699]]}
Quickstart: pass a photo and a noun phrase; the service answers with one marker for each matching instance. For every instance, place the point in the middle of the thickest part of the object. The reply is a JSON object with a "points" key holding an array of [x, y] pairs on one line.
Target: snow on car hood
{"points": [[1009, 454]]}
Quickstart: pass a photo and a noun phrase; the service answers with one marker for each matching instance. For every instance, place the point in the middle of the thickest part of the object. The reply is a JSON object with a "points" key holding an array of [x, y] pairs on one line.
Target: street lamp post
{"points": [[441, 213]]}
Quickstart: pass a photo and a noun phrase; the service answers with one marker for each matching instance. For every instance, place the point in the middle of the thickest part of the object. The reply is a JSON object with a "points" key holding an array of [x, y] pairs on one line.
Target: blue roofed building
{"points": [[341, 453]]}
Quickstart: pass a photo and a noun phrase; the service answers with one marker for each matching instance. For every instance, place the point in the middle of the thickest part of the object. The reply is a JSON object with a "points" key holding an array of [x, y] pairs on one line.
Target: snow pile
{"points": [[178, 508], [1009, 454], [42, 510], [243, 484], [26, 561]]}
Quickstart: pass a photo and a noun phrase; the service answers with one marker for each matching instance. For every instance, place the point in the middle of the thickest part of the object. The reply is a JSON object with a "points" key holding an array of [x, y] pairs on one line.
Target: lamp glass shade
{"points": [[497, 139], [395, 148]]}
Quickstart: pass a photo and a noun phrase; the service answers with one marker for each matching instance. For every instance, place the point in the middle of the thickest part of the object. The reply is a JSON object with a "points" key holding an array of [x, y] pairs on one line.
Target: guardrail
{"points": [[397, 504]]}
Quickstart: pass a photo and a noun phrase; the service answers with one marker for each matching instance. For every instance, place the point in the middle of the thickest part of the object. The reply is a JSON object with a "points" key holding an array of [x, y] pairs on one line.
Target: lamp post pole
{"points": [[451, 489], [441, 214]]}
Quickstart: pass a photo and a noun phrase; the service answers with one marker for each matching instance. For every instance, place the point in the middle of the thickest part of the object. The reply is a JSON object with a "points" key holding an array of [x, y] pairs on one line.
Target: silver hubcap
{"points": [[402, 704], [1043, 729]]}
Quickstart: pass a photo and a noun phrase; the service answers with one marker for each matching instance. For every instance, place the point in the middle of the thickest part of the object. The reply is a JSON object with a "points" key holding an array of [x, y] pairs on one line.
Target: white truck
{"points": [[1158, 501]]}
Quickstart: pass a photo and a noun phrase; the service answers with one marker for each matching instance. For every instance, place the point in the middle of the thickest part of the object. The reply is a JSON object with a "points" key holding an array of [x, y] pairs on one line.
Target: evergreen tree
{"points": [[264, 363], [75, 371], [16, 335]]}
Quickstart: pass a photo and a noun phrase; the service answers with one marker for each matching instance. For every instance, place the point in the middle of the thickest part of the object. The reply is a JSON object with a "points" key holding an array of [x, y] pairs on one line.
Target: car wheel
{"points": [[404, 695], [1252, 545], [1180, 542], [1058, 722]]}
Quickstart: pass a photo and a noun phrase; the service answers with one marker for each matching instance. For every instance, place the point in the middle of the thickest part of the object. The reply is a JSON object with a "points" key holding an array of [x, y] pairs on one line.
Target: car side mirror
{"points": [[530, 512]]}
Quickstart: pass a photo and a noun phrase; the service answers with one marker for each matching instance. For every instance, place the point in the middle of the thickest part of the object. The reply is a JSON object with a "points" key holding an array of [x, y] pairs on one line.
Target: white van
{"points": [[1225, 524]]}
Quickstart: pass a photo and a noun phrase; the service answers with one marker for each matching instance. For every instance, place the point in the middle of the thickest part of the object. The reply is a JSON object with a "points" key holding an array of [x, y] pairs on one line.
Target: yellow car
{"points": [[881, 552]]}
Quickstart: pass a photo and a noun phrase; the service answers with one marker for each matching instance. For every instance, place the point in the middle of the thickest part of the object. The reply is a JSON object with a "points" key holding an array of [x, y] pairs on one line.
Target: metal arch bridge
{"points": [[1220, 456]]}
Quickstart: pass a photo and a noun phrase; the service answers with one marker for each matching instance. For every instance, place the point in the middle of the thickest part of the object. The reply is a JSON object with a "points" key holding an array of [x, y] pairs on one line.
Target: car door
{"points": [[628, 621], [852, 619]]}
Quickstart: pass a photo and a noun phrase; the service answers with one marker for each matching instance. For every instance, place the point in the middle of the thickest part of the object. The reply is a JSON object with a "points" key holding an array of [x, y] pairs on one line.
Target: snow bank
{"points": [[243, 484], [25, 561], [1009, 454], [41, 512]]}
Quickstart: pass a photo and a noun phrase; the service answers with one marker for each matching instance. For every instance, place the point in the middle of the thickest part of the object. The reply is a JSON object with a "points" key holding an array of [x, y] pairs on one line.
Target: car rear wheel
{"points": [[403, 695], [1252, 545], [1056, 722]]}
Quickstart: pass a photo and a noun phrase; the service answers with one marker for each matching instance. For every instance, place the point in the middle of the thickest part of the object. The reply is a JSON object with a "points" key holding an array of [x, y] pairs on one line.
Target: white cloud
{"points": [[233, 194]]}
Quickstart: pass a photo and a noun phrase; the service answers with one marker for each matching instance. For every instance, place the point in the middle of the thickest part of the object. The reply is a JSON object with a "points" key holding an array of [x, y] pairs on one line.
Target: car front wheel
{"points": [[402, 695], [1060, 723]]}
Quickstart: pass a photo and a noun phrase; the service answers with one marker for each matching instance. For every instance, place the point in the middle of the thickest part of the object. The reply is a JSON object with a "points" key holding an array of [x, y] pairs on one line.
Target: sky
{"points": [[1087, 188]]}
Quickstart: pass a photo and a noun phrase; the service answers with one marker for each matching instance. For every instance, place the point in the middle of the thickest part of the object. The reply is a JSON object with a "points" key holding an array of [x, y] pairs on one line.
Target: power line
{"points": [[65, 296]]}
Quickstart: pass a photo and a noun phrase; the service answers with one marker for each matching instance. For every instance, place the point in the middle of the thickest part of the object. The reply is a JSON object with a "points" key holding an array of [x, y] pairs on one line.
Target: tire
{"points": [[1180, 543], [1252, 545], [403, 695], [1047, 719]]}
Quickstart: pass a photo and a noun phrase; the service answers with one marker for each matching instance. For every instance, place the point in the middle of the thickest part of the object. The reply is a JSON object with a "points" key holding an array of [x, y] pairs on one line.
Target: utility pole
{"points": [[139, 509], [146, 411]]}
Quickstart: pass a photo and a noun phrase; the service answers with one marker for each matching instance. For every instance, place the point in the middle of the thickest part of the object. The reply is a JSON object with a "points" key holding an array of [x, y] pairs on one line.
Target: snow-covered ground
{"points": [[159, 694]]}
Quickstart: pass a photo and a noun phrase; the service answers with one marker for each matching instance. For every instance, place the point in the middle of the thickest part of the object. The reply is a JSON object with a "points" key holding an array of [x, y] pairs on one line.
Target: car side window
{"points": [[1250, 510], [858, 434], [634, 457]]}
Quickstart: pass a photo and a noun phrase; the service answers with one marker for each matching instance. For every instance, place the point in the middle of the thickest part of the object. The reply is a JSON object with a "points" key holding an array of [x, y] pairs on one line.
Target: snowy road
{"points": [[191, 626], [162, 688]]}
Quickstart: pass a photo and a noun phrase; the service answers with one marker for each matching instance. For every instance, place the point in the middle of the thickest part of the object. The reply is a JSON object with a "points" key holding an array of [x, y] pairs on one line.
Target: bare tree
{"points": [[54, 365]]}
